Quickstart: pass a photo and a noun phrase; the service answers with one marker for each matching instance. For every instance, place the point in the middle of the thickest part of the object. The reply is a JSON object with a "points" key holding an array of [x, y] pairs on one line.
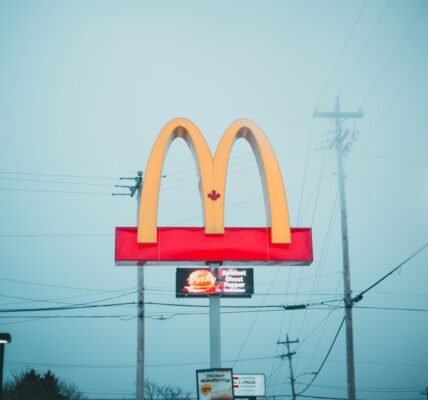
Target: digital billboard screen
{"points": [[225, 282]]}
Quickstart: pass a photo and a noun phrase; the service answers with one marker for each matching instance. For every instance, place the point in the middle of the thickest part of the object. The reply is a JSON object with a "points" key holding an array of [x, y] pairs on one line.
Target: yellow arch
{"points": [[270, 173], [148, 209], [212, 173]]}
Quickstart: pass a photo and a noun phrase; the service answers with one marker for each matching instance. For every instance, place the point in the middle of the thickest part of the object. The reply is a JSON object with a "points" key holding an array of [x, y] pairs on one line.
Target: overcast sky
{"points": [[86, 86]]}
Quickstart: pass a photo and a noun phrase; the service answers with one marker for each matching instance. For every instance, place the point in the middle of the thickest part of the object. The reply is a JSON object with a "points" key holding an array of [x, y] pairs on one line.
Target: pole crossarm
{"points": [[290, 355], [340, 115]]}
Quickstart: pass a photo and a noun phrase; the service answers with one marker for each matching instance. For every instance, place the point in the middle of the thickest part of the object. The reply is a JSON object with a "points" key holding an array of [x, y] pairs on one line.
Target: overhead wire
{"points": [[97, 193], [394, 53], [368, 390], [52, 285], [388, 109], [393, 308], [93, 304], [159, 316], [270, 287], [58, 175], [319, 101], [233, 171], [55, 191], [327, 233], [56, 235], [232, 168], [361, 53], [13, 173], [324, 360], [292, 144], [321, 264], [305, 171], [342, 51], [238, 204], [359, 297], [396, 159], [53, 181], [57, 300]]}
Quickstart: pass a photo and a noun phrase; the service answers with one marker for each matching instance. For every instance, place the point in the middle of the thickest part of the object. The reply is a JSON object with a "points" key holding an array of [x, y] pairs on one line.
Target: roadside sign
{"points": [[249, 385], [214, 384]]}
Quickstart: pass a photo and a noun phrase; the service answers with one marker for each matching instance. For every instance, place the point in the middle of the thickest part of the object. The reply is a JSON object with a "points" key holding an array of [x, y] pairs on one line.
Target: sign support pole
{"points": [[215, 328], [140, 310]]}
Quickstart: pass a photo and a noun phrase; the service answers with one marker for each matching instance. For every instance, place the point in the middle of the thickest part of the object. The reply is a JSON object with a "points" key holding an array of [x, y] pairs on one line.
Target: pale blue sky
{"points": [[86, 86]]}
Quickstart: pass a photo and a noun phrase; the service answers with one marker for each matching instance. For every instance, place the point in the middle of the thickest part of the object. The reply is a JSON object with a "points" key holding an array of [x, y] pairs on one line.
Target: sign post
{"points": [[215, 325]]}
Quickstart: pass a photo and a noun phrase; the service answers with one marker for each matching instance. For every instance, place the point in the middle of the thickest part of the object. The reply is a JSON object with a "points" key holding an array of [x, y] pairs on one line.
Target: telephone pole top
{"points": [[290, 355]]}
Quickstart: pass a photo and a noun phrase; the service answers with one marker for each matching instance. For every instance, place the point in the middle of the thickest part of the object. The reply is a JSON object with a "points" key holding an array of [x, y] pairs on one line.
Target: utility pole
{"points": [[425, 392], [136, 189], [4, 339], [290, 355], [341, 142]]}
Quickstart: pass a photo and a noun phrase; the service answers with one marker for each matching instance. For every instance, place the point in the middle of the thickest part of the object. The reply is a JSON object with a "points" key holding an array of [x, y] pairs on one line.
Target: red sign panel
{"points": [[191, 246]]}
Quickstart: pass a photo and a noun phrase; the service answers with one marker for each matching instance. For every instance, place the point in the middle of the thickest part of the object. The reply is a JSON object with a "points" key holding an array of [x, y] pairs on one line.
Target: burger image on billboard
{"points": [[201, 281]]}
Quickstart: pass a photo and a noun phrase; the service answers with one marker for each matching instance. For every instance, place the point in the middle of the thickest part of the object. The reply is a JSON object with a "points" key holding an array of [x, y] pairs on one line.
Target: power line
{"points": [[360, 295], [383, 157], [191, 363], [57, 235], [369, 390], [54, 191], [321, 265], [252, 199], [394, 53], [165, 188], [357, 60], [393, 308], [232, 169], [76, 307], [62, 286], [115, 178], [324, 361], [339, 57], [58, 175], [91, 305], [388, 109], [313, 397], [255, 319], [325, 302], [54, 182]]}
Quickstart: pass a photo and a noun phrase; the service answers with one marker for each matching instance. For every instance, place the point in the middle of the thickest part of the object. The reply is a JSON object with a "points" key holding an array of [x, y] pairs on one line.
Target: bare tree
{"points": [[154, 391]]}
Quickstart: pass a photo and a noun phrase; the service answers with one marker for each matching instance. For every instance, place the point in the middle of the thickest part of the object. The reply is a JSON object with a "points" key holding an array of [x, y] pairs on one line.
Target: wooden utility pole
{"points": [[340, 141], [136, 190], [140, 310], [290, 355]]}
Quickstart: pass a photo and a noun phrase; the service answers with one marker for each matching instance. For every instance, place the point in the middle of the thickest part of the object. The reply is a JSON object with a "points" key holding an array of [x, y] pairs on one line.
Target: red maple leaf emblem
{"points": [[213, 195]]}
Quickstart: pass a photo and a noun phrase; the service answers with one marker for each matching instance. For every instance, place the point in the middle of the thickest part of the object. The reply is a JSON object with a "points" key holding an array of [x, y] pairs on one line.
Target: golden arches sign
{"points": [[212, 173]]}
